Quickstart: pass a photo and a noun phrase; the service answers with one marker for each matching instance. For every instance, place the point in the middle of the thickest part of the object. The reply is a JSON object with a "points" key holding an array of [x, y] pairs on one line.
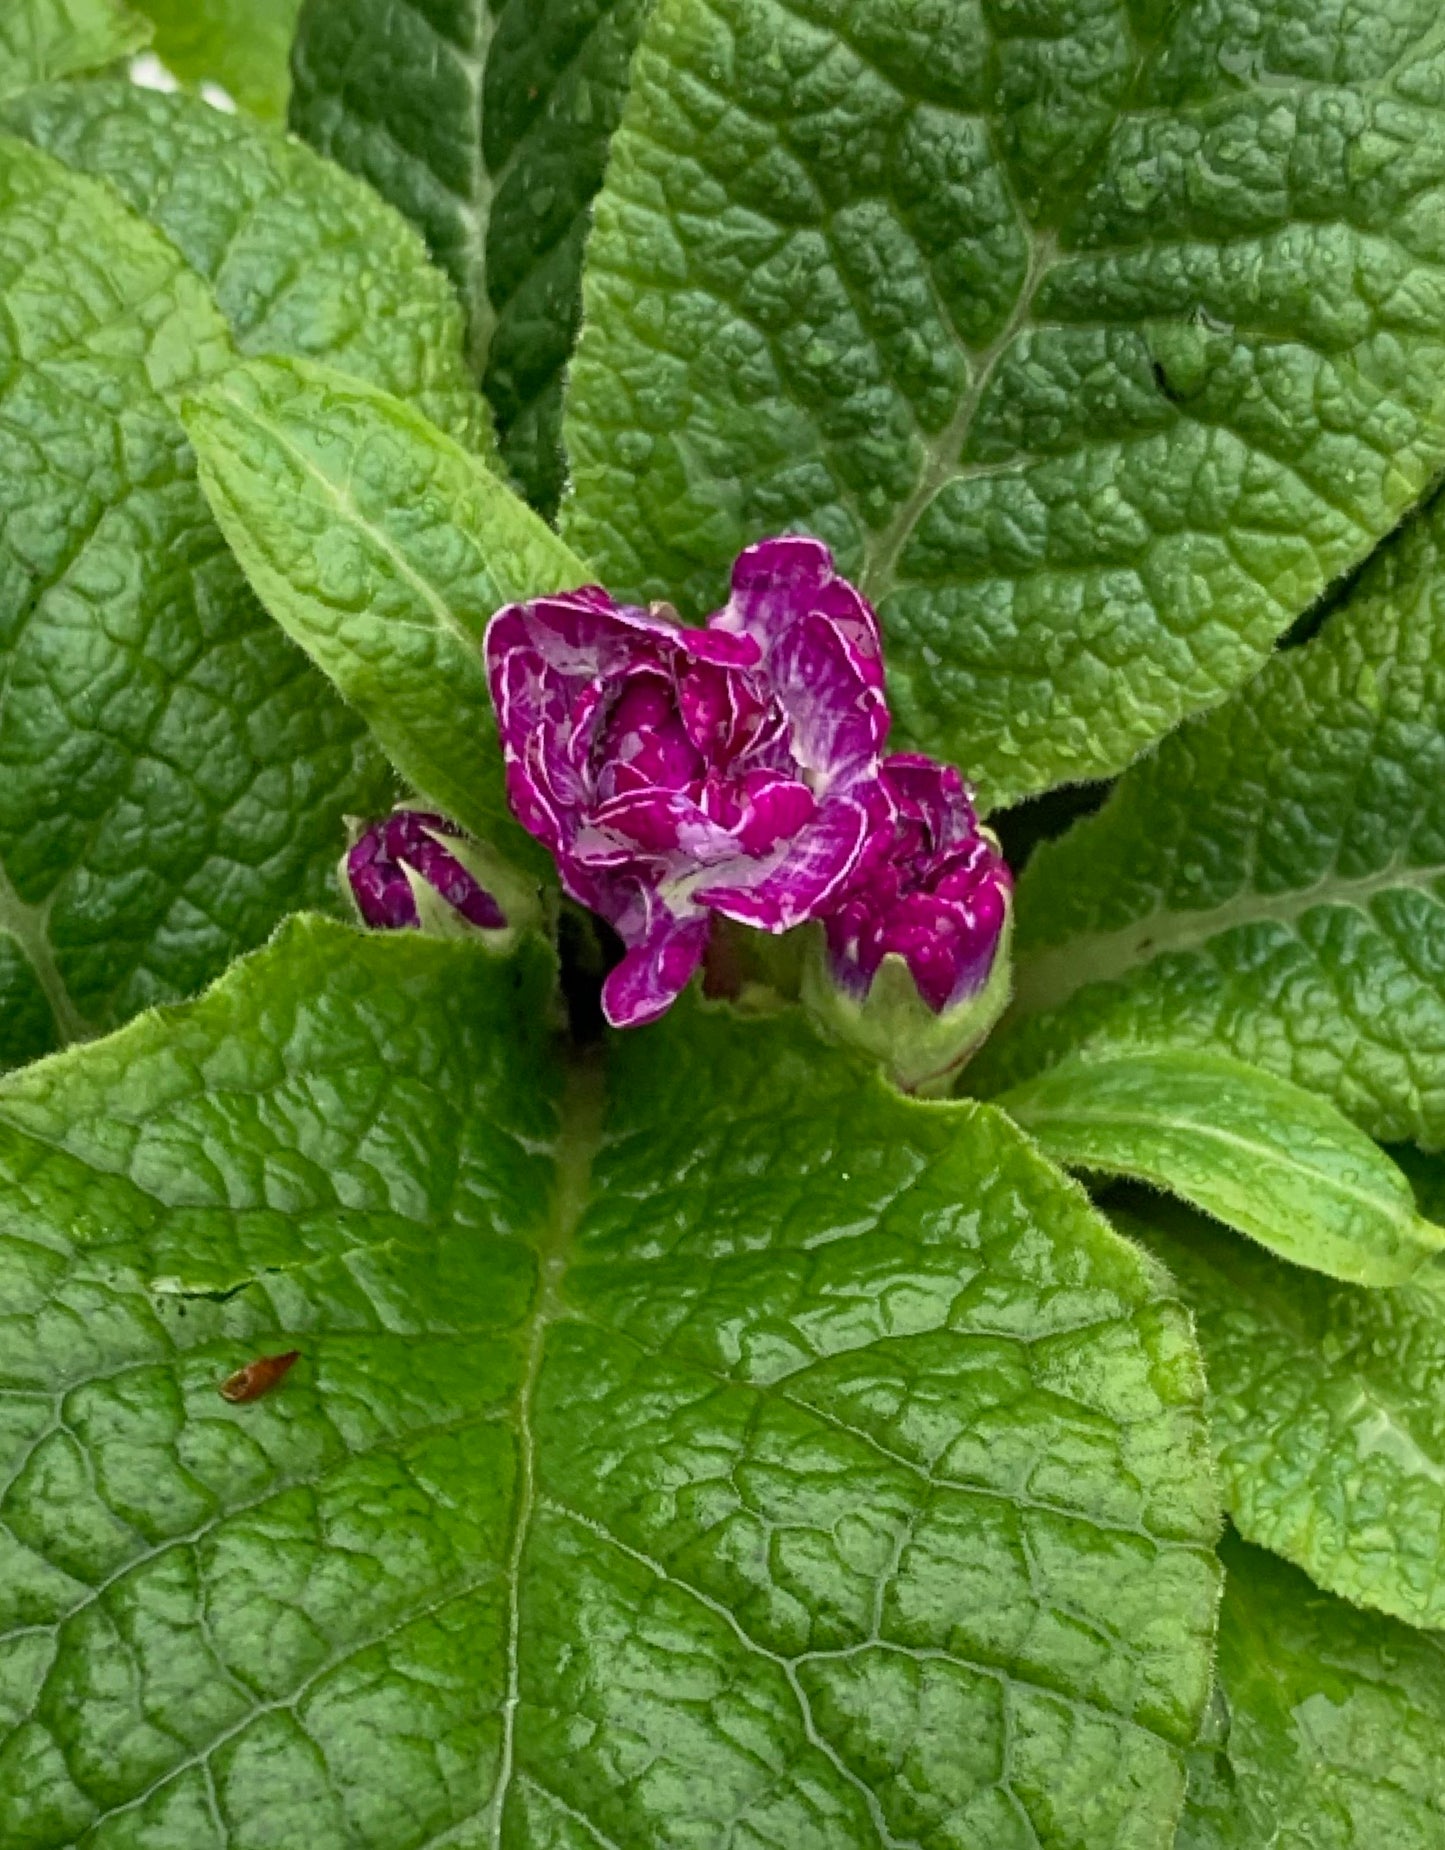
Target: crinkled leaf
{"points": [[1326, 1727], [1272, 882], [242, 45], [173, 775], [487, 122], [1097, 339], [1327, 1408], [383, 549], [1264, 1156], [41, 39], [791, 1463], [301, 257]]}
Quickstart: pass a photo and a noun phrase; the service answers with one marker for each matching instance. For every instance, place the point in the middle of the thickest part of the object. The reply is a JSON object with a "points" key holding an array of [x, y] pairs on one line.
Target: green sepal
{"points": [[921, 1049]]}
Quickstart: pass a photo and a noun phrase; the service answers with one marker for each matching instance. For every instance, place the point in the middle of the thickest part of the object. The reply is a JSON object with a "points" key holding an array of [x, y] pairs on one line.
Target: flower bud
{"points": [[402, 875], [912, 965]]}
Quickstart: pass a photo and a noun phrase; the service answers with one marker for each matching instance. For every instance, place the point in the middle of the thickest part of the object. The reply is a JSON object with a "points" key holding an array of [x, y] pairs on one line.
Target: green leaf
{"points": [[41, 39], [383, 549], [1096, 338], [487, 122], [242, 45], [1328, 1723], [1327, 1407], [302, 258], [707, 1472], [1264, 1156], [173, 776], [1272, 881]]}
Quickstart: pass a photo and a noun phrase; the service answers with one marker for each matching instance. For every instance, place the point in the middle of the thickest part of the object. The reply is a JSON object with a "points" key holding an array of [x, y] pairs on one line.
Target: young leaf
{"points": [[383, 549], [302, 258], [487, 123], [1327, 1723], [1327, 1409], [681, 1464], [173, 776], [41, 39], [1264, 1156], [1097, 339], [1272, 881], [242, 45]]}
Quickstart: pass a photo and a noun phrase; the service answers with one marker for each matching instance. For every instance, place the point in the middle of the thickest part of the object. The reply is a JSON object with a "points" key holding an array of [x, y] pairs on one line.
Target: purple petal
{"points": [[810, 876], [653, 974], [377, 867]]}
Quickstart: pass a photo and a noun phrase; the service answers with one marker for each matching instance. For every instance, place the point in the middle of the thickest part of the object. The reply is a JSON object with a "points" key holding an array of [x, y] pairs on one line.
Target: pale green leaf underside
{"points": [[487, 123], [41, 39], [1272, 881], [383, 549], [1326, 1728], [302, 258], [1327, 1408], [1264, 1156], [173, 776], [1097, 339], [242, 45], [775, 1461]]}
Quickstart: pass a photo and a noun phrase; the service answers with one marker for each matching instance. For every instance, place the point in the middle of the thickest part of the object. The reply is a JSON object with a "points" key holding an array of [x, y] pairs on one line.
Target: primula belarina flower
{"points": [[912, 965], [377, 871], [675, 773], [933, 889]]}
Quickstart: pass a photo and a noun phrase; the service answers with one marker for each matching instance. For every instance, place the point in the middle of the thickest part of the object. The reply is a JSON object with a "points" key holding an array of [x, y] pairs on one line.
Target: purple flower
{"points": [[676, 773], [933, 889], [377, 870]]}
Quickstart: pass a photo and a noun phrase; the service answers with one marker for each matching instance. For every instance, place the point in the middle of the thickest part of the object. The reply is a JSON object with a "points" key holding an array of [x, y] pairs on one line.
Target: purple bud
{"points": [[912, 965], [376, 869], [676, 773], [933, 889]]}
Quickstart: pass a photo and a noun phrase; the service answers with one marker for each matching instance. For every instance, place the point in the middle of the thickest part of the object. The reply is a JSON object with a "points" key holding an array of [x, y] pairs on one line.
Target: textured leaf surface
{"points": [[1327, 1723], [41, 39], [1259, 1154], [302, 258], [487, 122], [1272, 882], [1327, 1409], [818, 1471], [383, 549], [172, 773], [1096, 338], [242, 45]]}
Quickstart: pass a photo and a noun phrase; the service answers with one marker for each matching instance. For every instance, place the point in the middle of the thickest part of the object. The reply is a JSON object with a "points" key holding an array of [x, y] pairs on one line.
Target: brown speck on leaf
{"points": [[258, 1377]]}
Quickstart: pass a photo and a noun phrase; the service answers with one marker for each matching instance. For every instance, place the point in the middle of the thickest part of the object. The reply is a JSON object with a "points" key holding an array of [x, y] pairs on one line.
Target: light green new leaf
{"points": [[173, 775], [383, 549], [487, 122], [1272, 881], [1326, 1727], [301, 258], [1264, 1156], [1096, 338], [242, 45], [776, 1460], [1327, 1408], [41, 39]]}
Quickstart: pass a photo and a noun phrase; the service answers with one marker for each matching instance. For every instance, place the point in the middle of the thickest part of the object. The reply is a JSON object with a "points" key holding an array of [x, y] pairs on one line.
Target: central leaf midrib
{"points": [[579, 1136], [1050, 977], [28, 929], [1142, 1118], [350, 513]]}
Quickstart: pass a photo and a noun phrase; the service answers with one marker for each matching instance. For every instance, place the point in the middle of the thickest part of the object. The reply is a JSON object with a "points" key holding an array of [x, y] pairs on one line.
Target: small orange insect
{"points": [[258, 1377]]}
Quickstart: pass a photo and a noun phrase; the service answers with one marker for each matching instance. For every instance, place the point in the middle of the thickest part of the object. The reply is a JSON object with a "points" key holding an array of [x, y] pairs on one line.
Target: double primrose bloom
{"points": [[736, 771]]}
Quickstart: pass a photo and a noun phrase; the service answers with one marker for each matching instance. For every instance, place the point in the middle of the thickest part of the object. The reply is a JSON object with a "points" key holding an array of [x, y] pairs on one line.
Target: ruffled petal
{"points": [[654, 973]]}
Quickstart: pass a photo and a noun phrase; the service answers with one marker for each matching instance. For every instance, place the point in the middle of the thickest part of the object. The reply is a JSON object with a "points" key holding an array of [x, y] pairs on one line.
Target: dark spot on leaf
{"points": [[258, 1377], [1161, 379]]}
